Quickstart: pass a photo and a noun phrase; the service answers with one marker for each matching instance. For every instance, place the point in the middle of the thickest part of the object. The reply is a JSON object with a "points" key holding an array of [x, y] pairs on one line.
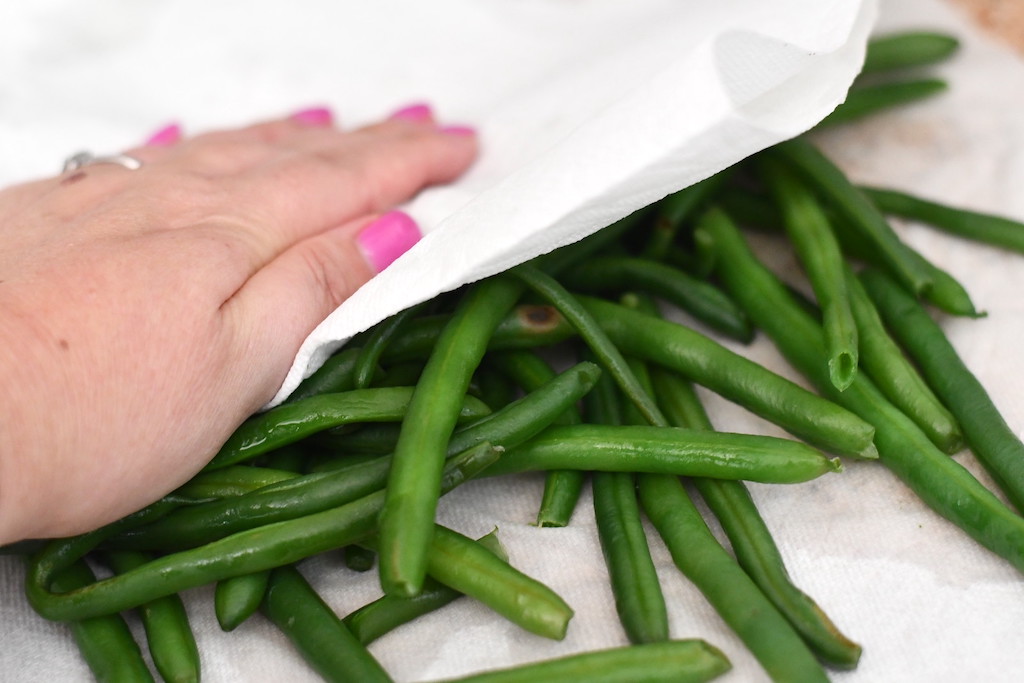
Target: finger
{"points": [[364, 172], [280, 305]]}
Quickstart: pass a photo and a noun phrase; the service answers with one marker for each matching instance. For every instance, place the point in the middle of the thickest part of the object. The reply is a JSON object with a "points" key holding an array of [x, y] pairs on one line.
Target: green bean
{"points": [[565, 257], [370, 439], [377, 340], [907, 49], [982, 227], [668, 450], [818, 250], [388, 612], [233, 480], [462, 564], [561, 487], [526, 326], [403, 374], [751, 541], [810, 417], [833, 186], [590, 331], [105, 642], [359, 559], [289, 458], [941, 482], [254, 550], [408, 515], [316, 631], [168, 632], [988, 435], [674, 210], [237, 598], [291, 422], [494, 388], [702, 300], [896, 377], [865, 100], [336, 375], [732, 593], [675, 661]]}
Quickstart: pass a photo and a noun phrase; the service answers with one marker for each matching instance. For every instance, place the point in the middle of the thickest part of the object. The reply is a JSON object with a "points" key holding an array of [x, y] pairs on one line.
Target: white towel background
{"points": [[927, 603]]}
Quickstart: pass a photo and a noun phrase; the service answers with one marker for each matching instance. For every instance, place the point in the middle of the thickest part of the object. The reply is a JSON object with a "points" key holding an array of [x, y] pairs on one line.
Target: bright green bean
{"points": [[237, 598], [896, 377], [818, 250], [810, 417], [988, 435], [291, 422], [172, 644], [316, 631], [735, 597], [668, 450], [702, 300], [941, 482], [982, 227], [412, 490], [233, 480], [105, 642], [676, 661], [266, 547]]}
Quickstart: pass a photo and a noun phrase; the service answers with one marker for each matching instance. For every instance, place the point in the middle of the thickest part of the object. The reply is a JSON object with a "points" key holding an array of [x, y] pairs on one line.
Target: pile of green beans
{"points": [[567, 368]]}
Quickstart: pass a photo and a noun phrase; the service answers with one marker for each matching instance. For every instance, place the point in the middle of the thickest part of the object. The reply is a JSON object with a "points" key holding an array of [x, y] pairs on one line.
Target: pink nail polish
{"points": [[414, 112], [168, 135], [458, 130], [314, 116], [387, 238]]}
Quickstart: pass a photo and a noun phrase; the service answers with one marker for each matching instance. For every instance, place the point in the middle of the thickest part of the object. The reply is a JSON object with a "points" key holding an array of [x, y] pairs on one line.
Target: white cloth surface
{"points": [[926, 602]]}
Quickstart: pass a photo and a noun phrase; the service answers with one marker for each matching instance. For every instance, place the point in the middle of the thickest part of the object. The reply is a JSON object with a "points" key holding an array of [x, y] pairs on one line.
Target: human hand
{"points": [[144, 314]]}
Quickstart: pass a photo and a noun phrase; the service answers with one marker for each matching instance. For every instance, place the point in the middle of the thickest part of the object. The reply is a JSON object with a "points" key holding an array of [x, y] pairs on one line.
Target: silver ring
{"points": [[82, 159]]}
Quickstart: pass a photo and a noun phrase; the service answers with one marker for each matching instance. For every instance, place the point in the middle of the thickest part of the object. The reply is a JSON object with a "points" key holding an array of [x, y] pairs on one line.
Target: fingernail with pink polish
{"points": [[414, 112], [387, 238], [166, 136], [313, 116], [458, 130]]}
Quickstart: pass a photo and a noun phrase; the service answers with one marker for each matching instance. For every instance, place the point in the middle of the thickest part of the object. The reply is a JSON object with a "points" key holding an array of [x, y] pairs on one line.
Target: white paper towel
{"points": [[927, 603]]}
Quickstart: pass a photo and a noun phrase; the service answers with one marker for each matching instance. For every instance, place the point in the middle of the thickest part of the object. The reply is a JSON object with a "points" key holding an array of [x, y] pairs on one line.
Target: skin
{"points": [[146, 313]]}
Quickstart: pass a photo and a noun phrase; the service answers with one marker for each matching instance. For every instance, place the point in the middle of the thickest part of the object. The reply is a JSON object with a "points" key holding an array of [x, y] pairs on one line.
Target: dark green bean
{"points": [[674, 210], [266, 547], [865, 100], [494, 388], [832, 185], [172, 644], [988, 435], [526, 326], [565, 257], [810, 417], [751, 541], [896, 377], [561, 487], [359, 559], [291, 422], [316, 631], [907, 49], [668, 450], [818, 250], [702, 300], [941, 482], [412, 489], [675, 661], [105, 642], [388, 612], [237, 598], [336, 375], [735, 597], [982, 227], [233, 480], [376, 341]]}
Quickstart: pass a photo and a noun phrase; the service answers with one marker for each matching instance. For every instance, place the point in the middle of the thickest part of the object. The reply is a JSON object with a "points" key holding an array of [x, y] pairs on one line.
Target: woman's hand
{"points": [[144, 314]]}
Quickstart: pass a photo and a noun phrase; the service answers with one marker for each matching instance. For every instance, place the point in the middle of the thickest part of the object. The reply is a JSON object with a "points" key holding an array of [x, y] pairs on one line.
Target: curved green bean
{"points": [[172, 645], [675, 661], [376, 341], [668, 450], [316, 631], [818, 421], [291, 422], [701, 299]]}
